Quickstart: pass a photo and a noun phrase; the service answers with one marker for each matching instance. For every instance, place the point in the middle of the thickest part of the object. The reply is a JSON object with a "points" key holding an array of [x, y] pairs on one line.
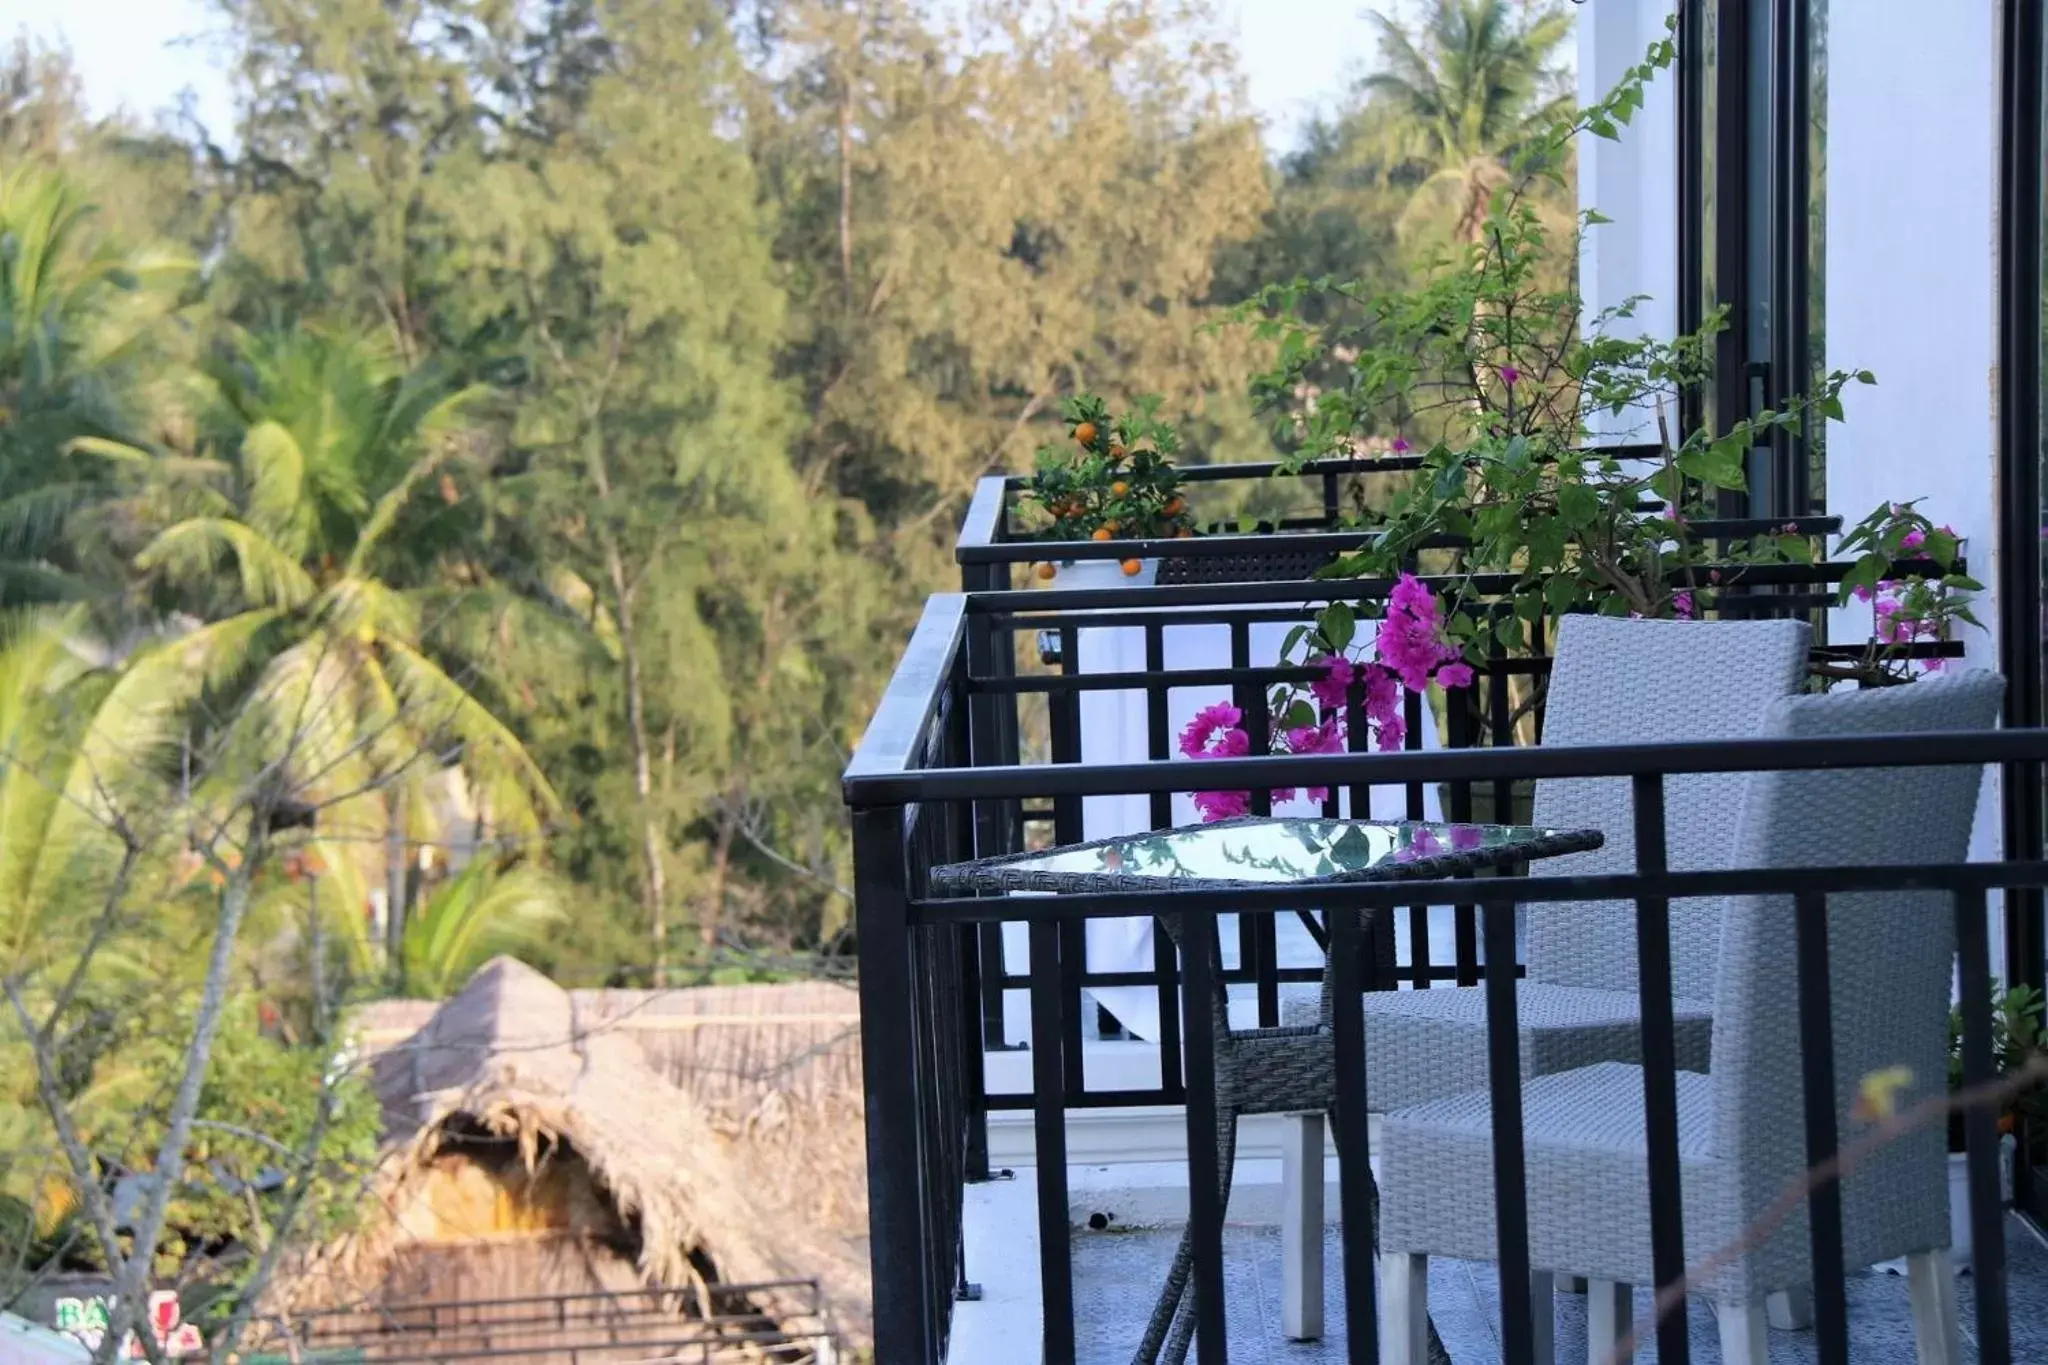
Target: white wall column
{"points": [[1912, 256], [1633, 182]]}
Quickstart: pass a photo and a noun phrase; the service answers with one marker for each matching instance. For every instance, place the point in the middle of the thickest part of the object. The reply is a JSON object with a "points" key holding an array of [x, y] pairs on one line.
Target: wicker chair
{"points": [[1614, 681], [1741, 1132]]}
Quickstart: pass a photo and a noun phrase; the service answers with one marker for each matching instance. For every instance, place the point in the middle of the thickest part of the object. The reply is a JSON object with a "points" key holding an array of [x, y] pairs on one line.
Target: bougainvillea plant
{"points": [[1114, 481], [1409, 650], [1517, 400]]}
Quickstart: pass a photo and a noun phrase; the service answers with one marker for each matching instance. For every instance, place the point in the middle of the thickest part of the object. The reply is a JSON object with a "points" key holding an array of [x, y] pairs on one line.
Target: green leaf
{"points": [[1578, 505], [1339, 625], [1508, 630], [1560, 593], [1299, 716]]}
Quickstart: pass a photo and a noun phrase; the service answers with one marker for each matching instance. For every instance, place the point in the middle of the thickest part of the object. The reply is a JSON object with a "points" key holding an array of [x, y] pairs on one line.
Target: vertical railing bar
{"points": [[1049, 1135], [964, 834], [1199, 995], [1412, 714], [1817, 1074], [1502, 731], [1459, 707], [1332, 505], [1980, 1131], [1660, 1063], [896, 1195], [1352, 1131], [1172, 1084], [1157, 742], [1068, 825], [1258, 933], [995, 831], [1510, 1184]]}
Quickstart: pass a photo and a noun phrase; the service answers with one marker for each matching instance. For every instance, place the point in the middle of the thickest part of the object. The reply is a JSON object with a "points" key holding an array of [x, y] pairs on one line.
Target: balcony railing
{"points": [[939, 778]]}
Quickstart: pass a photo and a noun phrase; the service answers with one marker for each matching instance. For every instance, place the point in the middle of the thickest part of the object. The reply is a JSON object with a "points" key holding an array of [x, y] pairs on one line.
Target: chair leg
{"points": [[1791, 1310], [1404, 1308], [1301, 1226], [1543, 1316], [1610, 1312], [1931, 1284], [1182, 1335], [1745, 1337]]}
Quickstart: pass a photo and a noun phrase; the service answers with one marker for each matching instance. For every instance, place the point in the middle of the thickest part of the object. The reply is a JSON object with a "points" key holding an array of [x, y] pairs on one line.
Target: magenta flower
{"points": [[1467, 837], [1215, 806], [1214, 733], [1400, 446], [1913, 539], [1455, 675], [1862, 592], [1681, 605], [1334, 687], [1326, 738], [1791, 528], [1411, 638], [1510, 376]]}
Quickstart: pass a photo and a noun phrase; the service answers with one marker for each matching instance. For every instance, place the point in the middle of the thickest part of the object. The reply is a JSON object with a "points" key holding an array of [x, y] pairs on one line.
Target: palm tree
{"points": [[1473, 83], [324, 444], [79, 322]]}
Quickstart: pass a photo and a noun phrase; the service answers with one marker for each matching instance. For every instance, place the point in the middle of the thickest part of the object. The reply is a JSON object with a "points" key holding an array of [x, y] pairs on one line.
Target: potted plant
{"points": [[1114, 481], [2017, 1037]]}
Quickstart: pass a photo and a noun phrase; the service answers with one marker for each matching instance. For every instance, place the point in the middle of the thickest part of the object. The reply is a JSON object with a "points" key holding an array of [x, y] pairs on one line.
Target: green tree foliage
{"points": [[526, 436]]}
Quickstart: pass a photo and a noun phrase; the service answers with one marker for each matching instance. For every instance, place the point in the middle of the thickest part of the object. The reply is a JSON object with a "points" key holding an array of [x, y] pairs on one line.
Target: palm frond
{"points": [[191, 550], [477, 914], [435, 704], [275, 470]]}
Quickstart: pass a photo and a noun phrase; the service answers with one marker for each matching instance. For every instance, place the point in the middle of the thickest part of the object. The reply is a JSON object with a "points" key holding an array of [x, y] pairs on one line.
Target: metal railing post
{"points": [[889, 1061]]}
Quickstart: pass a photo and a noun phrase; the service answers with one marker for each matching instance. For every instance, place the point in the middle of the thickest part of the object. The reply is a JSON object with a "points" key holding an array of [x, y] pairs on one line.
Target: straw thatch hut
{"points": [[549, 1142]]}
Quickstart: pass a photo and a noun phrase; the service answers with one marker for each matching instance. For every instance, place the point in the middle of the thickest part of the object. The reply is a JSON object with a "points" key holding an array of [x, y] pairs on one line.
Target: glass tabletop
{"points": [[1264, 851]]}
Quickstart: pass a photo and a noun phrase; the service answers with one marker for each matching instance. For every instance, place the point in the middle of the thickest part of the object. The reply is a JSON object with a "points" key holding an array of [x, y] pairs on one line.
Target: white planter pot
{"points": [[1103, 573], [1960, 1242]]}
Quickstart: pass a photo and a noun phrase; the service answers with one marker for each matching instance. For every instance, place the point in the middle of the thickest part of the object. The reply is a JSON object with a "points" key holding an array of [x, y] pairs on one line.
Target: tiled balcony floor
{"points": [[1117, 1277]]}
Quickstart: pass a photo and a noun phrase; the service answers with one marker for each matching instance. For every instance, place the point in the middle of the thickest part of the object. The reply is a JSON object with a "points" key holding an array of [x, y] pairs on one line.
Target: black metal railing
{"points": [[938, 779], [996, 623]]}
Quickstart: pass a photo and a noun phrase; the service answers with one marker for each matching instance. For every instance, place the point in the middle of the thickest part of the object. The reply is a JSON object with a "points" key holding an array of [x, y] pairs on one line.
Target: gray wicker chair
{"points": [[1614, 681], [1741, 1133]]}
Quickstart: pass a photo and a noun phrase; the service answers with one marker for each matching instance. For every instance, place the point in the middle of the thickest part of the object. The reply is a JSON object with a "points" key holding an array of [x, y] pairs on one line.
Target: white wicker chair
{"points": [[1741, 1131], [1614, 681]]}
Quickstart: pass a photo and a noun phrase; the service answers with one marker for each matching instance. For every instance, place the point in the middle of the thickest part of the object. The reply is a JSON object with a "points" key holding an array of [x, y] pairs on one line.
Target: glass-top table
{"points": [[1263, 851], [1267, 851]]}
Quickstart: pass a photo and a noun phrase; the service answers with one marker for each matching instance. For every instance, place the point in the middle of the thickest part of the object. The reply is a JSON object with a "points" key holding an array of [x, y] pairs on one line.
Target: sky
{"points": [[1298, 55]]}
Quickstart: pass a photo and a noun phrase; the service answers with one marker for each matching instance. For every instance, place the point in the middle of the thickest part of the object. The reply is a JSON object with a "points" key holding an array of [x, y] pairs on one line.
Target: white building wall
{"points": [[1912, 257], [1633, 182]]}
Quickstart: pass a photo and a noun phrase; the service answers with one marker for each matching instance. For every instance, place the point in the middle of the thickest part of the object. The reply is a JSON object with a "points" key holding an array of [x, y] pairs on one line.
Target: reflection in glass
{"points": [[1278, 851]]}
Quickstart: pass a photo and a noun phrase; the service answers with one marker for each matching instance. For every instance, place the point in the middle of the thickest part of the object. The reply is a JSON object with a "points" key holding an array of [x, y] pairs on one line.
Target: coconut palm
{"points": [[305, 546], [1473, 82], [79, 322]]}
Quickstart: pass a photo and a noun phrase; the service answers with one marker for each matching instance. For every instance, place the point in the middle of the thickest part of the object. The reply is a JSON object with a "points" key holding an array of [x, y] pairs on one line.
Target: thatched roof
{"points": [[713, 1147]]}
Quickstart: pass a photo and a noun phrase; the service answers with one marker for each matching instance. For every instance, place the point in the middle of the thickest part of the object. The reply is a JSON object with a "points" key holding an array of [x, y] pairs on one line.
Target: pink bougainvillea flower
{"points": [[1400, 445], [1713, 575], [1215, 806], [1411, 638], [1862, 592], [1791, 528], [1465, 837], [1455, 675], [1681, 605], [1913, 539], [1209, 734], [1326, 738], [1334, 687], [1510, 376]]}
